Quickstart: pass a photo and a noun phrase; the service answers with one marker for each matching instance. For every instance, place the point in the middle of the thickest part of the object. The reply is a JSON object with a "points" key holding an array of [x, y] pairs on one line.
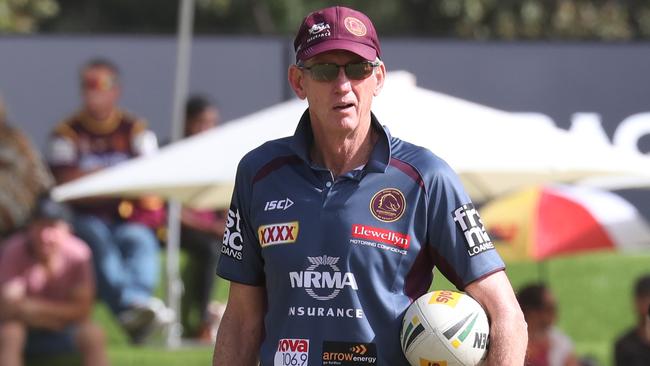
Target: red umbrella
{"points": [[546, 221]]}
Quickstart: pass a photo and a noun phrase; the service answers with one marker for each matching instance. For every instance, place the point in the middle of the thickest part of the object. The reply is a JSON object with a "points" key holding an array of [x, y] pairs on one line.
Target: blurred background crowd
{"points": [[87, 85]]}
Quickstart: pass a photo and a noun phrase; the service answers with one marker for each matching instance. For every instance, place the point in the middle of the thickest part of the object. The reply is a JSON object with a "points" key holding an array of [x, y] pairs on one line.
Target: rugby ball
{"points": [[445, 328]]}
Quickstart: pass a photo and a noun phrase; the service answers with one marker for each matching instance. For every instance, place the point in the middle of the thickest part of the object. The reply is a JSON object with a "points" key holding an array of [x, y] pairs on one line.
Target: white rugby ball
{"points": [[445, 328]]}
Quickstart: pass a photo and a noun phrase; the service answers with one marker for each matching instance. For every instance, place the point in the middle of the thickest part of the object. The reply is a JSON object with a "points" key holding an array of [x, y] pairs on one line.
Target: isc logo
{"points": [[293, 345], [278, 204]]}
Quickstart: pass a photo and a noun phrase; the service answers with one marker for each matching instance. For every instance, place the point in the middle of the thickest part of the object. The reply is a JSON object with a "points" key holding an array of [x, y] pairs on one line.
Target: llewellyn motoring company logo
{"points": [[375, 237], [385, 236], [388, 205]]}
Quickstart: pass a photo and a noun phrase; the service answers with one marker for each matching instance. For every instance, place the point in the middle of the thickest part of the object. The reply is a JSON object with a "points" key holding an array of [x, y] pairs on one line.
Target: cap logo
{"points": [[318, 30], [388, 205], [355, 26], [318, 27]]}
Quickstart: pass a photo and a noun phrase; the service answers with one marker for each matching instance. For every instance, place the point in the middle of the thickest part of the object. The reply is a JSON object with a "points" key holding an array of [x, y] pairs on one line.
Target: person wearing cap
{"points": [[47, 291], [333, 232], [633, 347]]}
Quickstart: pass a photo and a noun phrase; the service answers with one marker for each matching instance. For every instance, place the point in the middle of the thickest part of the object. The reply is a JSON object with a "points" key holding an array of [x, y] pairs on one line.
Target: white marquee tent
{"points": [[493, 151]]}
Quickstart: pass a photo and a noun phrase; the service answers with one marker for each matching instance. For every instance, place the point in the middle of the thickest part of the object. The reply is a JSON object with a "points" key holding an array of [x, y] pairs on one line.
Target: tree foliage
{"points": [[468, 19], [23, 16]]}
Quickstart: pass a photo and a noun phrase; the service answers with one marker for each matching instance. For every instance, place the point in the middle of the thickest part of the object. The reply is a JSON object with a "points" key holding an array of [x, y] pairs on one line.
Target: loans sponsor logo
{"points": [[449, 298], [349, 354], [292, 352], [278, 204], [459, 332], [468, 220], [388, 205], [232, 238], [282, 233], [322, 280]]}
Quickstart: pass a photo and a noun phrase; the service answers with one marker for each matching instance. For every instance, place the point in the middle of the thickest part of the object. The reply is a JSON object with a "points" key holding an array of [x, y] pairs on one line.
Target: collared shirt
{"points": [[342, 259]]}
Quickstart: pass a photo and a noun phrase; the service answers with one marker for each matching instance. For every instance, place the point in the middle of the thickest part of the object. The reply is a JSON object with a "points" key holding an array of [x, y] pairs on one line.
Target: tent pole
{"points": [[183, 56]]}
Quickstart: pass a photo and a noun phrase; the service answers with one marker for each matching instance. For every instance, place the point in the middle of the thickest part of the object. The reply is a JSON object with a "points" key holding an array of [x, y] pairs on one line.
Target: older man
{"points": [[334, 231]]}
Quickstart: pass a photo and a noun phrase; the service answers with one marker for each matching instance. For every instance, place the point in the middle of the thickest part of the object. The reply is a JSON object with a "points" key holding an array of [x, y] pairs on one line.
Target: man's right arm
{"points": [[242, 327]]}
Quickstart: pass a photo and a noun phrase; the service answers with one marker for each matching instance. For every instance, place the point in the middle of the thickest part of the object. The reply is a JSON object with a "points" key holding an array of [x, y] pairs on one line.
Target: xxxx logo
{"points": [[283, 233]]}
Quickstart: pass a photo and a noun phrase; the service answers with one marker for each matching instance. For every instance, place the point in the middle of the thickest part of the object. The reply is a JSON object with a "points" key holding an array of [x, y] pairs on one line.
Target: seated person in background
{"points": [[23, 176], [547, 345], [201, 235], [633, 347], [46, 291], [126, 253]]}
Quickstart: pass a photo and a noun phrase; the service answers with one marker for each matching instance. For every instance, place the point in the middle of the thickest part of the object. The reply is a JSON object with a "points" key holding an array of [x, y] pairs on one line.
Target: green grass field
{"points": [[593, 292]]}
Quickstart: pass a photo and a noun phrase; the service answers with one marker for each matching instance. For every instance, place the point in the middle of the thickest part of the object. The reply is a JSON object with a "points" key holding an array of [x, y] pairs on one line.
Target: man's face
{"points": [[99, 90], [204, 121], [342, 105], [45, 236], [545, 316]]}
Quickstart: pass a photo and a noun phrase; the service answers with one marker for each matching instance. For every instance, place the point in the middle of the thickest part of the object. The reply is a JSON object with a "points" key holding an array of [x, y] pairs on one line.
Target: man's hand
{"points": [[12, 295]]}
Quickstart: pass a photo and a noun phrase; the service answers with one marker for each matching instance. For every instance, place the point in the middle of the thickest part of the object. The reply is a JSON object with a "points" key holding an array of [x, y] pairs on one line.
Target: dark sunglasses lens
{"points": [[324, 72], [358, 71]]}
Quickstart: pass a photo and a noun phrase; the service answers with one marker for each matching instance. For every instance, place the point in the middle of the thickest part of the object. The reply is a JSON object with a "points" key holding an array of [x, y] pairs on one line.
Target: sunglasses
{"points": [[329, 72], [98, 83]]}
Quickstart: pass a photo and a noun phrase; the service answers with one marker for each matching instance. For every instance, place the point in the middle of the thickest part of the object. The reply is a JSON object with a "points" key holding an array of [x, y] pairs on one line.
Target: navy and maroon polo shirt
{"points": [[342, 258]]}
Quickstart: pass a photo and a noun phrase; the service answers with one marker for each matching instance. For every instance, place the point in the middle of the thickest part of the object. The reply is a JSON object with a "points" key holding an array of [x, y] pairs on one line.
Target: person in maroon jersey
{"points": [[126, 252]]}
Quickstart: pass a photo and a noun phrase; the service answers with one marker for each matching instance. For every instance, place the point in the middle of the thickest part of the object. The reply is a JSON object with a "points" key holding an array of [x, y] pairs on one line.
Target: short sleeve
{"points": [[61, 151], [463, 250], [144, 143], [241, 258]]}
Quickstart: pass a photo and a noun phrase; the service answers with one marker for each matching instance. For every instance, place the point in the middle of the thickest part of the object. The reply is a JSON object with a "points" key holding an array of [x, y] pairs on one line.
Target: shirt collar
{"points": [[303, 138]]}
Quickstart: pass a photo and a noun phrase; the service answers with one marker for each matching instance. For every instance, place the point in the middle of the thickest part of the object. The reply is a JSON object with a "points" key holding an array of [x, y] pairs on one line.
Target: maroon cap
{"points": [[336, 28]]}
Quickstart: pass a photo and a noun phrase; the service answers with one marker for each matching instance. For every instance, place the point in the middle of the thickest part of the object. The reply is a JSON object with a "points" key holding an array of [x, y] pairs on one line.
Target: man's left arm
{"points": [[508, 330]]}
